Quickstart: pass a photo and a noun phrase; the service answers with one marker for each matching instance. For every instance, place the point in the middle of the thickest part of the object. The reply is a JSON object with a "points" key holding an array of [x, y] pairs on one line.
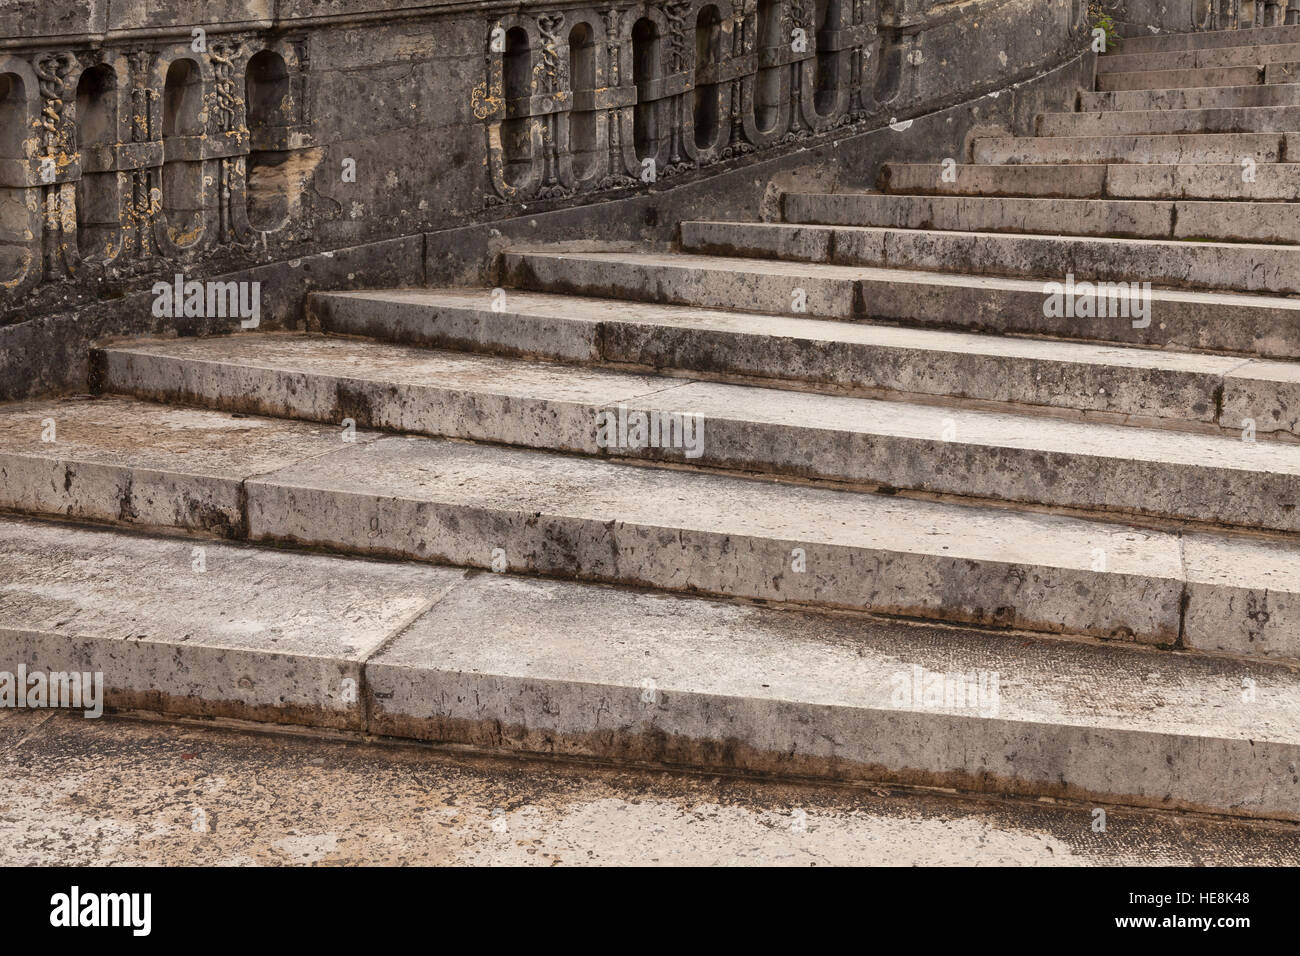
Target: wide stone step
{"points": [[1246, 119], [1158, 148], [451, 502], [1210, 39], [938, 449], [1209, 181], [1237, 221], [1213, 97], [640, 333], [1211, 58], [1181, 79], [1282, 73], [501, 662], [1081, 217], [1241, 267], [1225, 181], [1086, 180]]}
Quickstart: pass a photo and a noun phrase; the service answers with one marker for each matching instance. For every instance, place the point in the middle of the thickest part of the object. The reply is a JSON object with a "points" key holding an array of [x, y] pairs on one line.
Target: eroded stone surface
{"points": [[203, 628], [116, 459], [561, 668]]}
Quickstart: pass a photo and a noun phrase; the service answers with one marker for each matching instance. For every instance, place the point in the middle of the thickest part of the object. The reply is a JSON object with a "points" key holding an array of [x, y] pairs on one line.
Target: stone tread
{"points": [[570, 668], [1178, 79], [1247, 119], [857, 440], [1204, 97], [1204, 181], [472, 505], [1132, 218], [1210, 39], [1225, 321], [1217, 266], [1138, 148], [1208, 58], [1028, 372]]}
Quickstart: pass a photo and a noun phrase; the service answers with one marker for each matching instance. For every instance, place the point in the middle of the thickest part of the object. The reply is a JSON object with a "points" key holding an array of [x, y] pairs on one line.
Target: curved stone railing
{"points": [[153, 143]]}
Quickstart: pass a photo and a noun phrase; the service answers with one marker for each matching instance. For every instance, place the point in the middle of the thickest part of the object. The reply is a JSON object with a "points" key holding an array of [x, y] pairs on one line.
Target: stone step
{"points": [[1085, 180], [1157, 148], [1210, 181], [1211, 58], [1181, 79], [501, 662], [1282, 73], [1245, 119], [1240, 267], [641, 334], [1230, 221], [1225, 181], [1212, 97], [1210, 39], [935, 449], [451, 502], [1080, 217]]}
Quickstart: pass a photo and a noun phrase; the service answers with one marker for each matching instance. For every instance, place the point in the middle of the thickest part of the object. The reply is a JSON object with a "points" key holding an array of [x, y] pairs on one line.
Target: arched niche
{"points": [[706, 112], [646, 67], [767, 82], [17, 219], [99, 189], [516, 128], [583, 141], [827, 74], [183, 123], [271, 183]]}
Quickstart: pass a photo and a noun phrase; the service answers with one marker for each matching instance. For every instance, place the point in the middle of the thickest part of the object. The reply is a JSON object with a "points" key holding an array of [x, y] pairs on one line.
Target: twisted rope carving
{"points": [[550, 26], [675, 14], [222, 56], [52, 71]]}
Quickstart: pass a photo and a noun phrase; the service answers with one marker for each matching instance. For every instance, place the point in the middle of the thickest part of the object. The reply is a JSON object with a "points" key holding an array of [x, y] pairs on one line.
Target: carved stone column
{"points": [[144, 200], [58, 170]]}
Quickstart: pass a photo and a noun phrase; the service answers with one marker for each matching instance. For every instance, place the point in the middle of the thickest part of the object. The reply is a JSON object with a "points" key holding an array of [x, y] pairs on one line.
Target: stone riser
{"points": [[1166, 149], [1134, 219], [938, 450], [1252, 325], [1247, 119], [1270, 182], [1204, 59], [1239, 267], [1234, 97], [1199, 79], [1211, 40], [569, 517], [507, 663], [866, 359]]}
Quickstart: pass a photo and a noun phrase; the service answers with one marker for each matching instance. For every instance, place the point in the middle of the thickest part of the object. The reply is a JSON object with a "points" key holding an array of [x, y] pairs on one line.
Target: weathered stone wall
{"points": [[327, 143]]}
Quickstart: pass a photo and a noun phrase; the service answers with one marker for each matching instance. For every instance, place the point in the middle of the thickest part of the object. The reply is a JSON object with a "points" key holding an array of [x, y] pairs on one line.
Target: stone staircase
{"points": [[894, 472]]}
